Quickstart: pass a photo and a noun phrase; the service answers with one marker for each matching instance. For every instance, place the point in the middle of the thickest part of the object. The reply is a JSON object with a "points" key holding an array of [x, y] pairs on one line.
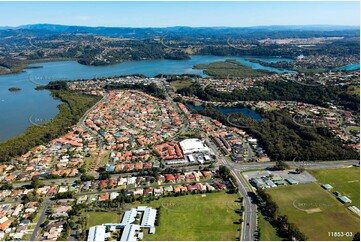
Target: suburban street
{"points": [[40, 221]]}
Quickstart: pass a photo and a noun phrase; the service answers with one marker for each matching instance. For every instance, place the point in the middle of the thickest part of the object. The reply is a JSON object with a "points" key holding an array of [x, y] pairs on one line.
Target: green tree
{"points": [[280, 166], [300, 169], [36, 182]]}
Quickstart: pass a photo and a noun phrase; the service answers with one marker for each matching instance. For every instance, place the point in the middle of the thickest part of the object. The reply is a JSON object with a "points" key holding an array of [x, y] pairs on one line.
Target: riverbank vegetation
{"points": [[230, 68], [283, 91], [14, 89], [14, 66], [73, 107]]}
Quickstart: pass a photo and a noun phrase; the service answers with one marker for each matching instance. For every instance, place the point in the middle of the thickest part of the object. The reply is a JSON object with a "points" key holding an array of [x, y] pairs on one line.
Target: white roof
{"points": [[96, 233], [129, 232], [3, 220], [149, 217], [190, 145], [129, 216]]}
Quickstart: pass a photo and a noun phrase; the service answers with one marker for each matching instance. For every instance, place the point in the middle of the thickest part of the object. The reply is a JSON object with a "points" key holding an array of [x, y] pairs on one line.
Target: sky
{"points": [[194, 14]]}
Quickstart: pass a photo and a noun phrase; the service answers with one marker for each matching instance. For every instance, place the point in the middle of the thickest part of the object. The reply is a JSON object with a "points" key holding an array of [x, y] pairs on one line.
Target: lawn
{"points": [[105, 158], [354, 89], [344, 180], [88, 161], [179, 84], [197, 217], [315, 211], [272, 108], [268, 233], [351, 128], [98, 218]]}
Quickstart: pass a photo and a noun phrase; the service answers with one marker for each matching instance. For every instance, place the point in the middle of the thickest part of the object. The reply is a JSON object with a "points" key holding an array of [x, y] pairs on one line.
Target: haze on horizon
{"points": [[167, 14]]}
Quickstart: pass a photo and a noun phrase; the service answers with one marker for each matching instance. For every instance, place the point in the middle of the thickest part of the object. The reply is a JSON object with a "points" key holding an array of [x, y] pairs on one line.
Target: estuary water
{"points": [[18, 107]]}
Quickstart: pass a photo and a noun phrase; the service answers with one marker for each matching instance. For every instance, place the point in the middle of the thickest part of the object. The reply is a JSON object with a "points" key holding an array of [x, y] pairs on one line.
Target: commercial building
{"points": [[190, 146]]}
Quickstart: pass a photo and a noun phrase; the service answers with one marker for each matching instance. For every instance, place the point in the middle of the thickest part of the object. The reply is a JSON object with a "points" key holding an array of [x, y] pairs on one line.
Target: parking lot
{"points": [[267, 179], [303, 178]]}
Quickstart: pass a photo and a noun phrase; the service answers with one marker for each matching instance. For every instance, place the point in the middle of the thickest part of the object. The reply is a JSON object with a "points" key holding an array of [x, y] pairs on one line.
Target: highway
{"points": [[249, 224]]}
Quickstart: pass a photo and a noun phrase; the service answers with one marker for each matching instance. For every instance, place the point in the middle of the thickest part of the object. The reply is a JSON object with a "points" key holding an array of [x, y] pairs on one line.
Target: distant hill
{"points": [[202, 32]]}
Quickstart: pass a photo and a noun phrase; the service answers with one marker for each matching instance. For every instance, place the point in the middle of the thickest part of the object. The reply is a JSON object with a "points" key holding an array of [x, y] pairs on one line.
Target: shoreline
{"points": [[21, 67]]}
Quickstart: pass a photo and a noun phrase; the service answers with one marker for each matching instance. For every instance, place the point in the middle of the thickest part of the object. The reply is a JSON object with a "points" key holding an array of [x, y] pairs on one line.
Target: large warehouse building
{"points": [[190, 146]]}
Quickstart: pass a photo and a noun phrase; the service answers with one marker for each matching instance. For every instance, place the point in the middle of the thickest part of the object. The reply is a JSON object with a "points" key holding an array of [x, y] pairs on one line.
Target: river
{"points": [[18, 107], [351, 67]]}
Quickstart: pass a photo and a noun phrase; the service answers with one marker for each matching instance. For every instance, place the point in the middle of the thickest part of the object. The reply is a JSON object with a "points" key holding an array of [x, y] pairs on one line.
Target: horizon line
{"points": [[173, 26]]}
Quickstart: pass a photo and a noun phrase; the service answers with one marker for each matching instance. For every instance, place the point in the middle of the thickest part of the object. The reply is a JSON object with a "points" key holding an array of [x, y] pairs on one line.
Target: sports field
{"points": [[98, 218], [179, 84], [197, 217], [315, 211], [344, 180]]}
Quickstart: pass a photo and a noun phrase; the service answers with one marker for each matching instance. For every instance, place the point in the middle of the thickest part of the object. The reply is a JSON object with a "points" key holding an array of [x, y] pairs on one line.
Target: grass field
{"points": [[344, 180], [194, 217], [268, 233], [176, 85], [354, 89], [88, 161], [350, 128], [98, 218], [315, 211]]}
